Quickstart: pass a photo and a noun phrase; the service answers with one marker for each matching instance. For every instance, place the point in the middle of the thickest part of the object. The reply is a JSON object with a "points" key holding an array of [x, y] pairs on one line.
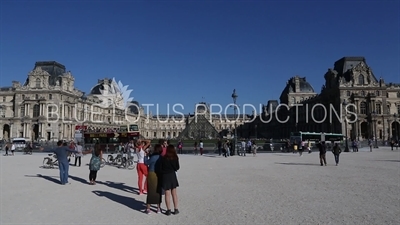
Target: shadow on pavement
{"points": [[49, 178], [299, 164], [83, 181], [211, 156], [388, 160], [127, 201], [119, 186]]}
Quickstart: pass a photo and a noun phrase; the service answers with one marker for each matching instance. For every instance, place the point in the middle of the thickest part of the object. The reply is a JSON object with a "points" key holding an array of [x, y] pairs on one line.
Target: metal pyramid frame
{"points": [[200, 129]]}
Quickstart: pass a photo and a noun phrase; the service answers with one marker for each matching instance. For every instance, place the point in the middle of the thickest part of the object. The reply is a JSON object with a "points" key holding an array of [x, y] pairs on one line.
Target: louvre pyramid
{"points": [[200, 129]]}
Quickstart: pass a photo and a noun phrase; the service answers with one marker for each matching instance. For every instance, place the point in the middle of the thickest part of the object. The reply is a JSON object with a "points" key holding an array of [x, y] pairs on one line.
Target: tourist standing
{"points": [[164, 145], [226, 149], [336, 152], [370, 144], [78, 155], [169, 167], [12, 149], [141, 167], [62, 156], [8, 147], [201, 145], [301, 149], [95, 163], [180, 145], [195, 147], [154, 191], [219, 146], [254, 146], [322, 153], [243, 148]]}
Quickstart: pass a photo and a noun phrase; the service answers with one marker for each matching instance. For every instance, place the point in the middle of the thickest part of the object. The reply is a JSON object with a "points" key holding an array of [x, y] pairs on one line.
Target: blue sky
{"points": [[184, 51]]}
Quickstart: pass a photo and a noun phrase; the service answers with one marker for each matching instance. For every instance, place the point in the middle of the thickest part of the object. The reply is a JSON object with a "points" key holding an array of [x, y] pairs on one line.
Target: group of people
{"points": [[9, 147], [323, 149], [156, 169]]}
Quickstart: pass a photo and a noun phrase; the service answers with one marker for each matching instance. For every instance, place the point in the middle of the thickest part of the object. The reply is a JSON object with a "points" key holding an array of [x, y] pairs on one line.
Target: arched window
{"points": [[38, 83], [363, 108], [36, 110], [361, 79]]}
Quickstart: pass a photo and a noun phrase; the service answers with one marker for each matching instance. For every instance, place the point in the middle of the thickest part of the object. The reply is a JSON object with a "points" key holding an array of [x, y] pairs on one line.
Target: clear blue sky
{"points": [[182, 51]]}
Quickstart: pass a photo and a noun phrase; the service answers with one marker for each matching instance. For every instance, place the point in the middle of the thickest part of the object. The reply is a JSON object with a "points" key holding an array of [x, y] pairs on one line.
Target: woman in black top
{"points": [[169, 166]]}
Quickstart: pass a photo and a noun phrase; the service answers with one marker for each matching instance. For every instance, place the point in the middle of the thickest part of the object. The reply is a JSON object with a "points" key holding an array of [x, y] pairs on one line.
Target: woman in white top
{"points": [[141, 167]]}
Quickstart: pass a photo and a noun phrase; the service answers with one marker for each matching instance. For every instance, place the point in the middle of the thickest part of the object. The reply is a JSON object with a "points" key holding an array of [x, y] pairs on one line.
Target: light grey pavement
{"points": [[277, 188]]}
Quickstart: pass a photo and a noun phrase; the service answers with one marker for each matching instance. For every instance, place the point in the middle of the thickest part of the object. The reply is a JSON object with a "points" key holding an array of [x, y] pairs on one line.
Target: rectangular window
{"points": [[4, 99], [378, 109], [49, 110], [22, 112]]}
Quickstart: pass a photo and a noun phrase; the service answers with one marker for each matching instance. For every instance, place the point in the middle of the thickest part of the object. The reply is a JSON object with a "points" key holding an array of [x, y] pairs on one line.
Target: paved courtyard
{"points": [[272, 188]]}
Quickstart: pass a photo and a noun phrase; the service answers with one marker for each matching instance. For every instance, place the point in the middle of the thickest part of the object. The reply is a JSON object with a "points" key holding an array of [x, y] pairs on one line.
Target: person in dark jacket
{"points": [[322, 153], [62, 156], [168, 166], [336, 152]]}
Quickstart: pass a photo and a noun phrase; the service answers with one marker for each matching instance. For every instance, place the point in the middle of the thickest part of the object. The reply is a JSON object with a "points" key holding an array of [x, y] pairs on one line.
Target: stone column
{"points": [[28, 109], [11, 131]]}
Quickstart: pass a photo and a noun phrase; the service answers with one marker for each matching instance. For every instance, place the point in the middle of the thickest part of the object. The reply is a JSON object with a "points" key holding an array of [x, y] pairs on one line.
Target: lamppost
{"points": [[346, 149], [373, 114], [234, 97]]}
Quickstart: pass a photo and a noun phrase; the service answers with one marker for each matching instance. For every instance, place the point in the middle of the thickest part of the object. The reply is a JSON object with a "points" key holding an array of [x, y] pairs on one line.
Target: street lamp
{"points": [[346, 149], [234, 97], [373, 114]]}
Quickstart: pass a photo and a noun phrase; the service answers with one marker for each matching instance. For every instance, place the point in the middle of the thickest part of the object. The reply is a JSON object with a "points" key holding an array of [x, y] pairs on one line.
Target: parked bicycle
{"points": [[50, 162], [122, 160]]}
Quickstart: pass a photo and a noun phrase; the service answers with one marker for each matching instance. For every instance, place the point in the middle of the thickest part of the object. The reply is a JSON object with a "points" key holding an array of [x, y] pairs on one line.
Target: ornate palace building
{"points": [[48, 107], [373, 106]]}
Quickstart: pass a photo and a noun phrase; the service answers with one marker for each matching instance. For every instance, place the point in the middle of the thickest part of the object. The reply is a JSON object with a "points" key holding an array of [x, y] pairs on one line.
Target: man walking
{"points": [[243, 148], [219, 145], [62, 156], [322, 153], [336, 152], [78, 155]]}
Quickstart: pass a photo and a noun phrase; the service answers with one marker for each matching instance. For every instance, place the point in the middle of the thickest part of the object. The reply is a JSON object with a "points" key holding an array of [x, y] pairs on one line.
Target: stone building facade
{"points": [[48, 107], [351, 90]]}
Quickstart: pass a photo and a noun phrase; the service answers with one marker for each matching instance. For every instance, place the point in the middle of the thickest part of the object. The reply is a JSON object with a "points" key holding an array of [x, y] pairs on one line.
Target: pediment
{"points": [[38, 71]]}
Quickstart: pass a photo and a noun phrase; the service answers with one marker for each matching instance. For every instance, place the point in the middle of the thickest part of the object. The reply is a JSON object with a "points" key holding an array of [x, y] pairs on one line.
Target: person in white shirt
{"points": [[141, 167], [243, 150], [78, 155], [201, 145], [12, 149]]}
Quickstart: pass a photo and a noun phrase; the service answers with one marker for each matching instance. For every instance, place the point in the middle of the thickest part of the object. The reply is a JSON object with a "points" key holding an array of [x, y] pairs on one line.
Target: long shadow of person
{"points": [[127, 201], [49, 178], [78, 179], [119, 186]]}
